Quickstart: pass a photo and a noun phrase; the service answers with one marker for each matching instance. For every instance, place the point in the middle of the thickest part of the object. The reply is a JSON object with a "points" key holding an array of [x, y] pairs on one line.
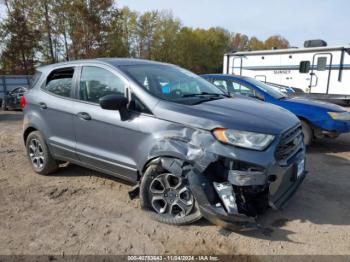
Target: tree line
{"points": [[40, 32]]}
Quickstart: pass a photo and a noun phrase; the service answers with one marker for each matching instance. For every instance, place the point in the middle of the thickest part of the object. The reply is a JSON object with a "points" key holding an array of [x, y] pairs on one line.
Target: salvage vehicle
{"points": [[11, 100], [319, 119], [190, 150]]}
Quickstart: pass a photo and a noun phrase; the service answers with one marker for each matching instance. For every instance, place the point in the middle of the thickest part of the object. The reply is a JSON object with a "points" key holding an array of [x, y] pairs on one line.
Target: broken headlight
{"points": [[244, 139], [345, 116]]}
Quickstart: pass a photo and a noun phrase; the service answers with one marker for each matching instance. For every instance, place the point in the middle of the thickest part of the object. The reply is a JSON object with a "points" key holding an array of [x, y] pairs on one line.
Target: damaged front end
{"points": [[231, 197], [234, 196], [233, 185]]}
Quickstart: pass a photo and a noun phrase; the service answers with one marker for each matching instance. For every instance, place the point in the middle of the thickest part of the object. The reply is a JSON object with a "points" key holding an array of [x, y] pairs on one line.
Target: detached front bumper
{"points": [[279, 186], [217, 214]]}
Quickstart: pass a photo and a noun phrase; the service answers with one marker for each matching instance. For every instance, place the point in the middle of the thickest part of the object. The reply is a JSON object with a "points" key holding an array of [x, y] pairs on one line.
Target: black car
{"points": [[11, 100]]}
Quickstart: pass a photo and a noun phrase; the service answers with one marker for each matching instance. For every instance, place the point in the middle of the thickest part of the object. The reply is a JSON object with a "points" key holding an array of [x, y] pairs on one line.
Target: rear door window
{"points": [[237, 87], [246, 90], [60, 82], [220, 83], [233, 86]]}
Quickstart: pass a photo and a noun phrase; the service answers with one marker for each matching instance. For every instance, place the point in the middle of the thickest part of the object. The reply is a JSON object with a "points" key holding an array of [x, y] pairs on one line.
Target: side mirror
{"points": [[113, 102]]}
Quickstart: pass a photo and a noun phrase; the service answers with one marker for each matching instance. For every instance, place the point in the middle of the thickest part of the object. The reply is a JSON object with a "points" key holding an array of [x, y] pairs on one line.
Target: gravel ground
{"points": [[79, 211]]}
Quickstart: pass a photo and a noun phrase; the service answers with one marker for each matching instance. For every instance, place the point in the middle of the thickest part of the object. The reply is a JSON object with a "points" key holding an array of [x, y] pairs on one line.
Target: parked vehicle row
{"points": [[190, 148]]}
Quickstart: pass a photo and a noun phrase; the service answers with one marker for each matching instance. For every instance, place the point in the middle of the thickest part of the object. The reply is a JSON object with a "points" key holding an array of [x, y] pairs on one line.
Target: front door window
{"points": [[97, 82]]}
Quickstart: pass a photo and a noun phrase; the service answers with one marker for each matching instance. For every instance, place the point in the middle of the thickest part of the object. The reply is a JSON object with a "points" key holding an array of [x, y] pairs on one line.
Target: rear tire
{"points": [[39, 155], [308, 133], [167, 197]]}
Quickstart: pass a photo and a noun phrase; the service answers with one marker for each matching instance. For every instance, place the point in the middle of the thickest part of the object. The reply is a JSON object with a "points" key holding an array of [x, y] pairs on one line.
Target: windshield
{"points": [[271, 90], [173, 83]]}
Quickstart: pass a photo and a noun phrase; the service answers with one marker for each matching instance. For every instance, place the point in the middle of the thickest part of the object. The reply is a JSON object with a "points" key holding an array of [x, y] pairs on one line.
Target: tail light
{"points": [[23, 102]]}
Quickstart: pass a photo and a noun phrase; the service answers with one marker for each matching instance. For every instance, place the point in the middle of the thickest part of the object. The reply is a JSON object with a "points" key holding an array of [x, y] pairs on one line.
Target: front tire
{"points": [[308, 133], [39, 155], [167, 197]]}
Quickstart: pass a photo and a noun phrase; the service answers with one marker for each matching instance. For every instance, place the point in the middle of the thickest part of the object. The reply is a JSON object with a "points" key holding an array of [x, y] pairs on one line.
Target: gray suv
{"points": [[190, 150]]}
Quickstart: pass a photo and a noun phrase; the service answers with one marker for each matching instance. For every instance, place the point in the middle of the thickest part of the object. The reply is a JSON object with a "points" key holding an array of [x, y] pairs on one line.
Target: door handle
{"points": [[42, 105], [84, 116], [316, 82]]}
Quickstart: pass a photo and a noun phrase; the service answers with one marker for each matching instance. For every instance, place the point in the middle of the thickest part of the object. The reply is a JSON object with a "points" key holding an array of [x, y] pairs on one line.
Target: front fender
{"points": [[189, 145]]}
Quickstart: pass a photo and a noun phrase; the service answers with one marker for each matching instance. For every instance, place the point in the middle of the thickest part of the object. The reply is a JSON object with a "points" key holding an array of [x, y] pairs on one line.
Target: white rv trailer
{"points": [[322, 72]]}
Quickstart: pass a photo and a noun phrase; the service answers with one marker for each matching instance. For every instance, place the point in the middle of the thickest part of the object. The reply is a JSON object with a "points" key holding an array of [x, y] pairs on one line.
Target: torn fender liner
{"points": [[173, 165], [134, 192], [194, 146], [246, 178]]}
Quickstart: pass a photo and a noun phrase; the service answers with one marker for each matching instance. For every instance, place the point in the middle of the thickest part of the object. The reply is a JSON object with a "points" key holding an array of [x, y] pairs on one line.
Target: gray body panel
{"points": [[106, 141], [55, 122]]}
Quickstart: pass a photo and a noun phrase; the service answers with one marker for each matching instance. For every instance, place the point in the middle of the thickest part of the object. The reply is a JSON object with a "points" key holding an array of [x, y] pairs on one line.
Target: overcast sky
{"points": [[296, 20]]}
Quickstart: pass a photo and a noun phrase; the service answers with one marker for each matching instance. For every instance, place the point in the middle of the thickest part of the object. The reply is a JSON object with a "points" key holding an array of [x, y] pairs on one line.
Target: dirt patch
{"points": [[79, 211]]}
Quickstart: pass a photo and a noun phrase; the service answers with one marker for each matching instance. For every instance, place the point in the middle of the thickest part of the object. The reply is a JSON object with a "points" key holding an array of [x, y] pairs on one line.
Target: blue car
{"points": [[319, 119]]}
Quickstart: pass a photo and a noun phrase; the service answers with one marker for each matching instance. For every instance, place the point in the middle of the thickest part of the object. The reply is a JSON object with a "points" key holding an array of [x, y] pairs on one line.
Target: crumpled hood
{"points": [[234, 113], [315, 103]]}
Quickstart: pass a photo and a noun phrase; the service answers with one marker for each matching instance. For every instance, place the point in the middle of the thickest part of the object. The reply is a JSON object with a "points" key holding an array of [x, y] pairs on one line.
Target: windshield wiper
{"points": [[206, 99], [204, 94]]}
